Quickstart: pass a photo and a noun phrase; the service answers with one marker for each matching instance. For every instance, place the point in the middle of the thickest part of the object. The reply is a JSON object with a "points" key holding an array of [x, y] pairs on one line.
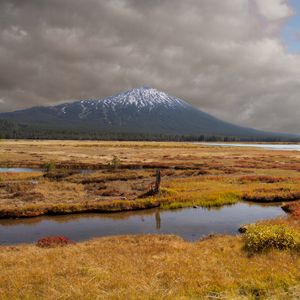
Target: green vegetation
{"points": [[12, 130], [175, 200], [49, 167], [262, 237], [115, 163]]}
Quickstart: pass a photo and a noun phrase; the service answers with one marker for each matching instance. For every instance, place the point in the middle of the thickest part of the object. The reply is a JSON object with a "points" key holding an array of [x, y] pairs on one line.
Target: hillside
{"points": [[140, 111]]}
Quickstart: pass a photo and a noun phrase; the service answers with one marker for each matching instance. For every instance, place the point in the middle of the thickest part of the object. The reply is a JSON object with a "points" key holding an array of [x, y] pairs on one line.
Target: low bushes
{"points": [[261, 237], [261, 178], [54, 241]]}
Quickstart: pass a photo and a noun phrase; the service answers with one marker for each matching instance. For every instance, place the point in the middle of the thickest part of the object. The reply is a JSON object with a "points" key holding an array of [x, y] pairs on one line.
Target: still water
{"points": [[286, 147], [19, 170], [30, 170], [191, 223]]}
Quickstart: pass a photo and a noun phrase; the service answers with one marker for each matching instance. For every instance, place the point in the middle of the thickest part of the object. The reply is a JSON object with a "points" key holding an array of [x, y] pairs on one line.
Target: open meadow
{"points": [[70, 177], [117, 176]]}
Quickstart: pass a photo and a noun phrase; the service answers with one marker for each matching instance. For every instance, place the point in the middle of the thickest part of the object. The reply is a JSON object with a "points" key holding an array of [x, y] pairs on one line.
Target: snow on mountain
{"points": [[140, 110], [143, 98]]}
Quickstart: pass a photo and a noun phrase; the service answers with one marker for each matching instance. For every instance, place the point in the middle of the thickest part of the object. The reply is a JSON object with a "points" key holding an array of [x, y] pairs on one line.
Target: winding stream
{"points": [[190, 223]]}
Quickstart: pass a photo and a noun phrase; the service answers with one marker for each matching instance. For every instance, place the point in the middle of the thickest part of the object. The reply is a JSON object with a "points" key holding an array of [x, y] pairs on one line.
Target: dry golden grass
{"points": [[192, 175], [95, 154], [148, 267]]}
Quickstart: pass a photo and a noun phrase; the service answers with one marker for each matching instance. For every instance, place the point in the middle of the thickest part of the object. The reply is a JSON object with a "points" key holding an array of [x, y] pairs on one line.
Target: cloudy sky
{"points": [[236, 59]]}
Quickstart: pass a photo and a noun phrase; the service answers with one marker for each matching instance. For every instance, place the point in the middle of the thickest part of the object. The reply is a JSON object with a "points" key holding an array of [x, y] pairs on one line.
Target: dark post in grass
{"points": [[157, 182], [154, 188]]}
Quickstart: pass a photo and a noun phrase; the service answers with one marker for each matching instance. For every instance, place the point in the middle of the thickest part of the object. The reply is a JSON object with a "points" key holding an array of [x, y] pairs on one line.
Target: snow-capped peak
{"points": [[142, 99]]}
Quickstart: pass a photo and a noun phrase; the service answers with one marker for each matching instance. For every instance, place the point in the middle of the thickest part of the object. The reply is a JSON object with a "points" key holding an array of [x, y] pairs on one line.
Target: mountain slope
{"points": [[141, 110]]}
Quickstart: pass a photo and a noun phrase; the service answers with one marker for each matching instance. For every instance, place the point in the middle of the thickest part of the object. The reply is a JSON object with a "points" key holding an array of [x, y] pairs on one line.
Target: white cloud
{"points": [[274, 9]]}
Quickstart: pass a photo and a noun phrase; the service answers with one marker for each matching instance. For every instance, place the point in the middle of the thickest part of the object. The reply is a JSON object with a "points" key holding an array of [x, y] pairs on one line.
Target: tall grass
{"points": [[147, 267], [262, 237]]}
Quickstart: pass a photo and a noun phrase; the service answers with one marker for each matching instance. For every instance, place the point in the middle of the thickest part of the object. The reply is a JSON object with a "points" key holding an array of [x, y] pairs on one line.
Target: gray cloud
{"points": [[225, 57]]}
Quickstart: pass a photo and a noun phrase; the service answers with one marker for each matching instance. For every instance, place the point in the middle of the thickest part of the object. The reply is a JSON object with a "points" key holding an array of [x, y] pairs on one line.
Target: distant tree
{"points": [[115, 162], [49, 167]]}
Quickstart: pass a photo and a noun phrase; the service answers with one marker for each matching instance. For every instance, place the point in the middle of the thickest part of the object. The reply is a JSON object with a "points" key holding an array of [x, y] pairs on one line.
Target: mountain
{"points": [[141, 110]]}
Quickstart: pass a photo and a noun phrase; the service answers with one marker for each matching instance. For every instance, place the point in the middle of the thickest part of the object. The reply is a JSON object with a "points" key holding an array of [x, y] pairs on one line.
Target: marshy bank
{"points": [[115, 176], [60, 192]]}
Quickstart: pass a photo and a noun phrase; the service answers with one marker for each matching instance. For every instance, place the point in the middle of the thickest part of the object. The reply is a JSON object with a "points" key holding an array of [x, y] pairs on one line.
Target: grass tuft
{"points": [[262, 237]]}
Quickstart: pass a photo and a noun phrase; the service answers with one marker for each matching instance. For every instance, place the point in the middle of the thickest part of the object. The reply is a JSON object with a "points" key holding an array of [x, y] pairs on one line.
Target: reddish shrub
{"points": [[293, 209], [54, 241], [263, 179]]}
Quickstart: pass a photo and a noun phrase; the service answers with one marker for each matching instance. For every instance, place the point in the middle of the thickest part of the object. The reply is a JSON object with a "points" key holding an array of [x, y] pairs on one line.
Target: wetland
{"points": [[130, 243]]}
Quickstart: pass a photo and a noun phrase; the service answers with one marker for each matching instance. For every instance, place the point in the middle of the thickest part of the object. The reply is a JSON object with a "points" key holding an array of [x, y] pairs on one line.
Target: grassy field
{"points": [[148, 267], [264, 263], [192, 175]]}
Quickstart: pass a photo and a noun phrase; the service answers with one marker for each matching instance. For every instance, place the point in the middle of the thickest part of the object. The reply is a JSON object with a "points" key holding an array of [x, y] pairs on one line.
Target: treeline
{"points": [[11, 130]]}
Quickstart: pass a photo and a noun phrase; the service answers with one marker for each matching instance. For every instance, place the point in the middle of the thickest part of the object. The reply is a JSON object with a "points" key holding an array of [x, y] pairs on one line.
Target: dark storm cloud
{"points": [[225, 56]]}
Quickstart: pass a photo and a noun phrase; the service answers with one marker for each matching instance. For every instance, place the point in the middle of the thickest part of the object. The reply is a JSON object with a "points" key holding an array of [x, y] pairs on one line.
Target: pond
{"points": [[19, 170], [190, 223], [30, 170], [286, 147]]}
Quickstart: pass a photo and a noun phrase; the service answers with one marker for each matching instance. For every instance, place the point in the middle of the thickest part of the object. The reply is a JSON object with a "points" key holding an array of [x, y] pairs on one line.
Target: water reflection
{"points": [[190, 223], [157, 220], [19, 170], [34, 170]]}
